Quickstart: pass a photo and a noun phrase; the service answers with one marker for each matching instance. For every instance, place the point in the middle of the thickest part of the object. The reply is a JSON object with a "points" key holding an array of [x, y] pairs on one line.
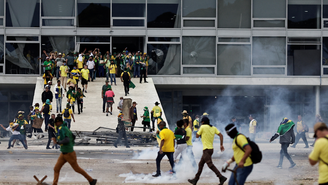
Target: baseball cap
{"points": [[318, 126]]}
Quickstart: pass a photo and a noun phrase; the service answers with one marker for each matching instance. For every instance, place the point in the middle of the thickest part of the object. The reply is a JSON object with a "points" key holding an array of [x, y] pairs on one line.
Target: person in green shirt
{"points": [[103, 91], [47, 65], [65, 139], [146, 119], [22, 122]]}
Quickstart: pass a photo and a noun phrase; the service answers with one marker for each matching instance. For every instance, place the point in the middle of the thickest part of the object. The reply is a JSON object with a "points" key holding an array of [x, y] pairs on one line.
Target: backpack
{"points": [[66, 113], [126, 76], [46, 109], [256, 154]]}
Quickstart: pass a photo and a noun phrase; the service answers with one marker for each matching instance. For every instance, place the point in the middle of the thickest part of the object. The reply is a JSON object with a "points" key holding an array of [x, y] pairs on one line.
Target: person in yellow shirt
{"points": [[80, 61], [186, 116], [301, 129], [207, 132], [196, 127], [166, 147], [189, 137], [252, 127], [155, 113], [63, 74], [68, 115], [320, 152], [76, 75], [85, 75], [47, 76], [71, 82], [244, 164], [112, 72]]}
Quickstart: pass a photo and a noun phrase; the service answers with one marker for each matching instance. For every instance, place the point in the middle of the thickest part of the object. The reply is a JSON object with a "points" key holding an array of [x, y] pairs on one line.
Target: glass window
{"points": [[60, 44], [163, 14], [29, 16], [269, 70], [2, 49], [196, 8], [304, 14], [93, 39], [19, 38], [57, 22], [163, 39], [22, 58], [304, 60], [199, 23], [58, 8], [198, 70], [164, 59], [269, 23], [269, 9], [269, 51], [129, 22], [325, 8], [234, 14], [95, 14], [2, 9], [1, 69], [234, 59], [325, 71], [230, 39], [325, 51], [126, 8], [198, 51]]}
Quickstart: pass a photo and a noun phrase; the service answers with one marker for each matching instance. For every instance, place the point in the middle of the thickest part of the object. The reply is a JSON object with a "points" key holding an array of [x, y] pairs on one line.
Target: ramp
{"points": [[144, 94]]}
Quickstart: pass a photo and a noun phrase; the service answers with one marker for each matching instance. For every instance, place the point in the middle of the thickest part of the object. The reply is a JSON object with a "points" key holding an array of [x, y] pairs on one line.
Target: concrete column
{"points": [[317, 99]]}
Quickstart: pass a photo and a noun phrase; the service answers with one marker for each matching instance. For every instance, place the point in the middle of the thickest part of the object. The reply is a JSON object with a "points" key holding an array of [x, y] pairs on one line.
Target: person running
{"points": [[46, 109], [287, 137], [166, 147], [244, 164], [207, 133], [301, 129], [103, 91], [146, 120], [126, 78], [320, 152], [65, 139], [180, 136], [121, 131], [79, 98], [14, 128], [59, 93], [85, 78], [156, 112], [110, 100], [22, 127], [68, 116]]}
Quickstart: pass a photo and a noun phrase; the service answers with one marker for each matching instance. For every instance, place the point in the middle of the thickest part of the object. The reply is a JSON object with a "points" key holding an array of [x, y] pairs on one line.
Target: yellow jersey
{"points": [[300, 127], [189, 134], [168, 136], [252, 126], [207, 132], [238, 154], [69, 111], [196, 124], [320, 153], [85, 73], [156, 111]]}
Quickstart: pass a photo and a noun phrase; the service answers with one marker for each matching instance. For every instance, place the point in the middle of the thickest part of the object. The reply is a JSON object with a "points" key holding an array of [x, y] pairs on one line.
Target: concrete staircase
{"points": [[144, 94]]}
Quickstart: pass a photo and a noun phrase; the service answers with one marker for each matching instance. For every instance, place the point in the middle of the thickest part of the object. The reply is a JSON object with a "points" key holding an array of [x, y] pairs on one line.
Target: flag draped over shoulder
{"points": [[285, 126]]}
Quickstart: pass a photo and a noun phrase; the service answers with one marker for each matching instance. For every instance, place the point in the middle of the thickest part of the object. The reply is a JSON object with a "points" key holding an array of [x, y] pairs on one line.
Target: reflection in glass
{"points": [[234, 13], [233, 39], [129, 9], [57, 22], [269, 70], [164, 39], [1, 49], [164, 59], [325, 51], [269, 51], [198, 50], [199, 23], [22, 58], [129, 22], [269, 8], [93, 14], [304, 16], [60, 44], [196, 8], [163, 14], [2, 9], [28, 16], [58, 8], [304, 60], [198, 70], [234, 59], [269, 23]]}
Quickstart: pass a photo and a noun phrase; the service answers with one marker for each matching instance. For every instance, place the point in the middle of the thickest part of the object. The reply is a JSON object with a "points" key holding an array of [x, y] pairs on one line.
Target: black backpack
{"points": [[46, 109], [256, 154], [66, 113], [126, 76]]}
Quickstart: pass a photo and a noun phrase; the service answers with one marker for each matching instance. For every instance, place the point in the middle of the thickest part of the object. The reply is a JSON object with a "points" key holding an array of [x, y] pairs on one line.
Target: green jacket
{"points": [[62, 132], [146, 114]]}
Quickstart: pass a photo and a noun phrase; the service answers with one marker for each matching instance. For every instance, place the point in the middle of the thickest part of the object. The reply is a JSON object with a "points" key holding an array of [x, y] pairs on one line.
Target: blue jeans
{"points": [[242, 174], [46, 121], [136, 70], [59, 104], [94, 74], [112, 79], [91, 74], [107, 76], [57, 72], [68, 121], [17, 137], [159, 159], [101, 71]]}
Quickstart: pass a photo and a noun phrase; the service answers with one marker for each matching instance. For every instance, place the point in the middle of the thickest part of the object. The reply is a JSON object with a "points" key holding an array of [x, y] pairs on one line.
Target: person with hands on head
{"points": [[65, 139], [166, 147], [287, 137], [207, 133], [244, 164]]}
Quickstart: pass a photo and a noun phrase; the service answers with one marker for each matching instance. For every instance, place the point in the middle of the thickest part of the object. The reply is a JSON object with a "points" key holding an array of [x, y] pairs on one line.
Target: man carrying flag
{"points": [[287, 137]]}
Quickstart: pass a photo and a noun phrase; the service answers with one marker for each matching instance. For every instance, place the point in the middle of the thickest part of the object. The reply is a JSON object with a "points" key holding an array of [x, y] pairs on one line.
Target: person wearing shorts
{"points": [[110, 100], [85, 77]]}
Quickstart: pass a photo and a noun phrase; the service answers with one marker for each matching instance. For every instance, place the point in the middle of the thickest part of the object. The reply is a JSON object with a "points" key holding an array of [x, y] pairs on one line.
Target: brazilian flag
{"points": [[285, 126], [131, 85]]}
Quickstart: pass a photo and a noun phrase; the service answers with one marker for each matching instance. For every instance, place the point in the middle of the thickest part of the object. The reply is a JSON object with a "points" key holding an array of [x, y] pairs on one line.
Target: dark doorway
{"points": [[133, 44], [102, 47]]}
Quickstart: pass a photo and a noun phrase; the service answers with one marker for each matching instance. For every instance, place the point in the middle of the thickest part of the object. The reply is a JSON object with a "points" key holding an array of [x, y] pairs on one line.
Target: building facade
{"points": [[226, 57]]}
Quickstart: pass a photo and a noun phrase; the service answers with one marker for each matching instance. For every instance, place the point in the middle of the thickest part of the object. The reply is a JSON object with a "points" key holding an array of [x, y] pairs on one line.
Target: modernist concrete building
{"points": [[225, 57]]}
